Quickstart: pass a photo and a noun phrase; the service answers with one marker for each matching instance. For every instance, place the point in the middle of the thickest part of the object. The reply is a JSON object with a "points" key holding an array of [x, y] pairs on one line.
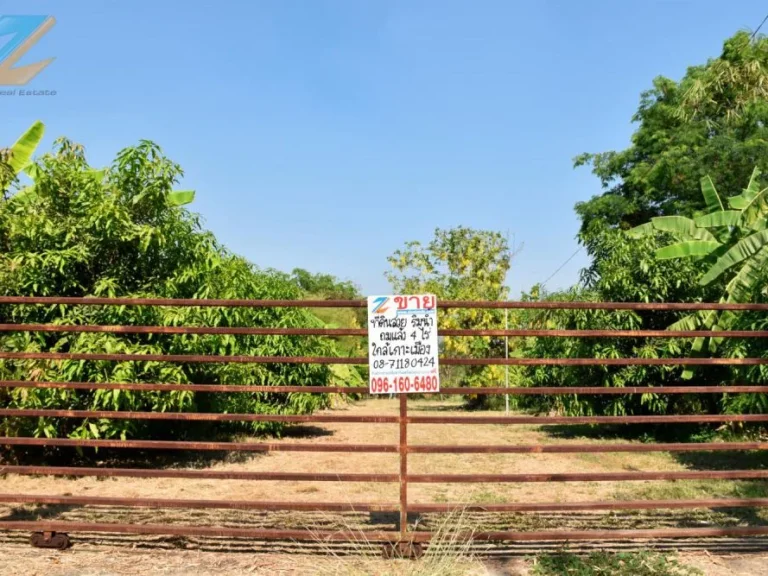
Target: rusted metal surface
{"points": [[586, 448], [209, 330], [376, 536], [183, 530], [413, 448], [272, 505], [546, 420], [588, 476], [373, 419], [403, 465], [418, 478], [246, 331], [581, 506], [222, 388], [56, 540], [196, 416], [592, 390], [513, 390], [199, 504], [402, 538], [192, 474], [538, 536], [185, 445], [470, 304], [209, 359]]}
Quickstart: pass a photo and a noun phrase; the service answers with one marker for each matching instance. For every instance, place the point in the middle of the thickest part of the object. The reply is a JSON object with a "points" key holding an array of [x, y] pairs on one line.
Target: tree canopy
{"points": [[121, 232], [713, 121], [459, 264]]}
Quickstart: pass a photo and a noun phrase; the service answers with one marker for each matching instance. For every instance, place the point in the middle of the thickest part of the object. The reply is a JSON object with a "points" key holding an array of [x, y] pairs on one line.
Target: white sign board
{"points": [[402, 344]]}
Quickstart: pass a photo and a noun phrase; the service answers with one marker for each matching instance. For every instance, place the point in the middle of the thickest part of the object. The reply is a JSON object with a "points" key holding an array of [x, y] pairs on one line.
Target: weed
{"points": [[449, 553], [644, 563]]}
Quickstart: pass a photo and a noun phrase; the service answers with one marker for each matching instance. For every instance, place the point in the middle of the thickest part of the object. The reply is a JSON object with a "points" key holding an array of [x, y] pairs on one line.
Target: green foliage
{"points": [[120, 232], [624, 270], [25, 146], [736, 258], [599, 563], [459, 264], [328, 287], [325, 286], [16, 158], [715, 119]]}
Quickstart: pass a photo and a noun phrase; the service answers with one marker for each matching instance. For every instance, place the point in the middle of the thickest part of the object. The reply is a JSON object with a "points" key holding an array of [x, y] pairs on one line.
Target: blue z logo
{"points": [[20, 34]]}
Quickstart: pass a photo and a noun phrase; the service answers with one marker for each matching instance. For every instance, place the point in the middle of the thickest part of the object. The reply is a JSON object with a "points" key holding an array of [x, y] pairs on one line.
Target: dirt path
{"points": [[113, 554]]}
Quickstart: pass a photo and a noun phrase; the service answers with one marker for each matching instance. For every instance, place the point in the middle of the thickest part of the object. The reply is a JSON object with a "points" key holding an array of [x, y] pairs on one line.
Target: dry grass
{"points": [[449, 553], [112, 554]]}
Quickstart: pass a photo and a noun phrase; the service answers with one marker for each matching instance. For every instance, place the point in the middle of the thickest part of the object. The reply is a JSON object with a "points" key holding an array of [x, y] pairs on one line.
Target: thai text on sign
{"points": [[402, 344]]}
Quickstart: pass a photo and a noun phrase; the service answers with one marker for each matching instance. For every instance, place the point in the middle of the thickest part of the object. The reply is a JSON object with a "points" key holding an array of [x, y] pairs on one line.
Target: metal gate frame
{"points": [[46, 530]]}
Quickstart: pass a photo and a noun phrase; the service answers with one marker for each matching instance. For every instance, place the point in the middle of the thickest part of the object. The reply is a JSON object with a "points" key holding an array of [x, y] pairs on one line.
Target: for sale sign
{"points": [[402, 344]]}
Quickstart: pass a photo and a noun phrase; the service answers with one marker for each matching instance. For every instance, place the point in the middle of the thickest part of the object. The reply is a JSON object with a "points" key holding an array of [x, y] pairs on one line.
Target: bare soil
{"points": [[128, 554]]}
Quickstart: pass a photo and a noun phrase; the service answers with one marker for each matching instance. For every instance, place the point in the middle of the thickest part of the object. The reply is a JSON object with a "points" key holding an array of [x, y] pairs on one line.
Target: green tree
{"points": [[329, 287], [624, 270], [715, 119], [121, 232], [459, 264]]}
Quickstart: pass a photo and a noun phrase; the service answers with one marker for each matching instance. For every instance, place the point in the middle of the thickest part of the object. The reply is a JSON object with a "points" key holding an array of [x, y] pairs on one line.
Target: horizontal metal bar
{"points": [[477, 304], [599, 361], [621, 534], [210, 359], [414, 449], [192, 474], [181, 302], [372, 419], [513, 390], [245, 331], [555, 333], [380, 507], [198, 504], [596, 390], [210, 330], [545, 420], [189, 445], [182, 530], [583, 448], [153, 387], [376, 536], [589, 476], [599, 505], [195, 416]]}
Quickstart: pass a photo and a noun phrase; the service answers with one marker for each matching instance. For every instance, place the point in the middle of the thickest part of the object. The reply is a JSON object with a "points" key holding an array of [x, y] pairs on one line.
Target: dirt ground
{"points": [[129, 554]]}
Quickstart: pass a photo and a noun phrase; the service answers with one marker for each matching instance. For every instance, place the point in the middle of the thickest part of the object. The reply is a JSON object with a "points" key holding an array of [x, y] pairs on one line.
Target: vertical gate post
{"points": [[403, 467], [404, 548]]}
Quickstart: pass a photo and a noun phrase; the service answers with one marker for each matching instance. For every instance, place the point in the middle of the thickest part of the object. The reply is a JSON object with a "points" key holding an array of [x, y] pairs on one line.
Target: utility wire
{"points": [[758, 28], [571, 257]]}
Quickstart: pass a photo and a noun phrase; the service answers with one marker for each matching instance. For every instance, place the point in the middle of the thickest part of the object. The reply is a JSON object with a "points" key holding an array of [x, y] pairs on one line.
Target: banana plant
{"points": [[20, 154], [25, 146], [733, 242]]}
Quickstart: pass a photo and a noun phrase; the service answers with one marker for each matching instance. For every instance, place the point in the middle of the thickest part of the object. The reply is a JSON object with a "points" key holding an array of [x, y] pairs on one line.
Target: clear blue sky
{"points": [[325, 134]]}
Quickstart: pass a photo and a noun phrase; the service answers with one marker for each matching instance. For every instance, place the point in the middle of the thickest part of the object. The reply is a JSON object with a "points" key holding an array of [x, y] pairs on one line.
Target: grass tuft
{"points": [[644, 563], [449, 553]]}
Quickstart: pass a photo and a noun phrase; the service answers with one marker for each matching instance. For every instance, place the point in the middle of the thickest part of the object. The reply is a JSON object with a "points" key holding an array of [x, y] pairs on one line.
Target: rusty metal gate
{"points": [[53, 532]]}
